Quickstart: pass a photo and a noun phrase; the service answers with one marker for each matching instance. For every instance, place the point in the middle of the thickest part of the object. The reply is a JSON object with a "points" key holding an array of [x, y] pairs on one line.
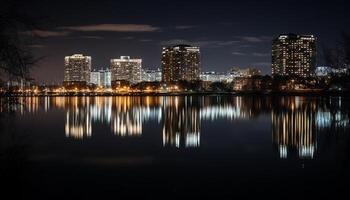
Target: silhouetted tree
{"points": [[15, 62], [15, 58]]}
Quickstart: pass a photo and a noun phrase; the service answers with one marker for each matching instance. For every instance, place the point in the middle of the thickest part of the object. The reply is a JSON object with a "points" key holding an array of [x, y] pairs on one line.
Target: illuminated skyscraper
{"points": [[77, 69], [294, 55], [181, 62], [152, 75], [95, 77], [126, 69], [105, 78], [101, 77]]}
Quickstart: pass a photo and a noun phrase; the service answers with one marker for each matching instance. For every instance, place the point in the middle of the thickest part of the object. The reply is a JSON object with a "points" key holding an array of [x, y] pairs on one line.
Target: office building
{"points": [[126, 69], [151, 75], [95, 77], [213, 76], [101, 77], [323, 71], [294, 55], [245, 73], [77, 70], [181, 62]]}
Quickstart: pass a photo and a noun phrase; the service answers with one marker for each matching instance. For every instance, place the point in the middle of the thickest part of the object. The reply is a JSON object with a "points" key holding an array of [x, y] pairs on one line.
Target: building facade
{"points": [[294, 55], [213, 76], [126, 69], [245, 73], [95, 77], [101, 77], [181, 62], [152, 75], [77, 70], [234, 73], [323, 71]]}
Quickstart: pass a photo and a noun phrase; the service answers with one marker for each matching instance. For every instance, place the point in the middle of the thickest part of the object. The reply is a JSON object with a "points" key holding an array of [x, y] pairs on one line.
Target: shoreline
{"points": [[245, 93]]}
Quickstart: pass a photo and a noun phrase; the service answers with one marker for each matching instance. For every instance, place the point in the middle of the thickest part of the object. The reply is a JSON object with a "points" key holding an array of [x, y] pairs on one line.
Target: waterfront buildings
{"points": [[77, 70], [125, 69], [323, 71], [245, 73], [294, 55], [213, 76], [152, 75], [95, 77], [229, 76], [180, 62], [101, 77]]}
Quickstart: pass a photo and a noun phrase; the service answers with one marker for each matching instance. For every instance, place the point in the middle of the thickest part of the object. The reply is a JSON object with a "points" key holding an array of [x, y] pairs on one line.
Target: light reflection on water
{"points": [[296, 122]]}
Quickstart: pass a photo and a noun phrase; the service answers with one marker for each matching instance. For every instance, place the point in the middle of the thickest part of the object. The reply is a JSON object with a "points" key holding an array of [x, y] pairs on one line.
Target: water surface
{"points": [[176, 146]]}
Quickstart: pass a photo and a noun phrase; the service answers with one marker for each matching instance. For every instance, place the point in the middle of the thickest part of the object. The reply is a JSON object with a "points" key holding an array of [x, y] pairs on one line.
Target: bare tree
{"points": [[15, 58]]}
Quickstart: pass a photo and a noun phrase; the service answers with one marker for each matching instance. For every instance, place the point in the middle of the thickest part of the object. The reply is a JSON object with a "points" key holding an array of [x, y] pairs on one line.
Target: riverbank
{"points": [[206, 93]]}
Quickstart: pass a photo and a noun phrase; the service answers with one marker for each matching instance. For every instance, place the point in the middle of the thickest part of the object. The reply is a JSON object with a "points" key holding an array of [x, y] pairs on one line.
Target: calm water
{"points": [[175, 147]]}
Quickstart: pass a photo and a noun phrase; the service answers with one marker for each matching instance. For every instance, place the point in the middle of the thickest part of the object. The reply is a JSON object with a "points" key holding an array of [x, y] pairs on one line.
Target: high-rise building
{"points": [[101, 77], [181, 62], [95, 77], [105, 78], [294, 55], [152, 75], [77, 70], [126, 69]]}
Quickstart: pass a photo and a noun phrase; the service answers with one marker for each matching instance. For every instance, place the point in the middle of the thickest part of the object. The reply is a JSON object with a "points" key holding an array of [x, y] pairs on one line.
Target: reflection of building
{"points": [[152, 75], [237, 108], [78, 119], [181, 62], [126, 69], [101, 78], [296, 122], [77, 69], [181, 123], [334, 119], [126, 121], [293, 128], [294, 55], [180, 116]]}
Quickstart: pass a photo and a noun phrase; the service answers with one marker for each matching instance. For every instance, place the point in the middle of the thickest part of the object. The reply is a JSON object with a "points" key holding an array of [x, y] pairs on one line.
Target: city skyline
{"points": [[158, 99], [292, 56], [227, 32]]}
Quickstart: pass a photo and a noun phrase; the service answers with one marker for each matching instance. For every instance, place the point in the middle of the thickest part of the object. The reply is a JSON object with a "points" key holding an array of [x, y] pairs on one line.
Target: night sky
{"points": [[230, 33]]}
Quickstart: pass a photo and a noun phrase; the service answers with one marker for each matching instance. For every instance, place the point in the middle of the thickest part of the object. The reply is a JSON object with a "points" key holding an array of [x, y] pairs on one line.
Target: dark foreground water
{"points": [[221, 147]]}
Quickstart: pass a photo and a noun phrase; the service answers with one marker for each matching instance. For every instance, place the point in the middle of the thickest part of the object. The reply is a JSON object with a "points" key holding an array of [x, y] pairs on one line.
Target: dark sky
{"points": [[230, 33]]}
